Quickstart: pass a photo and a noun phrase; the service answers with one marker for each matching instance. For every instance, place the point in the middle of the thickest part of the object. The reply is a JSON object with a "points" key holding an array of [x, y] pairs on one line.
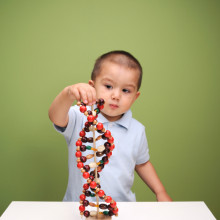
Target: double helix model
{"points": [[92, 186]]}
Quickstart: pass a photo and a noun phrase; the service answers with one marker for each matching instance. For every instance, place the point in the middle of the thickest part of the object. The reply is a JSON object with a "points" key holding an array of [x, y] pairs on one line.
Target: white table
{"points": [[127, 210]]}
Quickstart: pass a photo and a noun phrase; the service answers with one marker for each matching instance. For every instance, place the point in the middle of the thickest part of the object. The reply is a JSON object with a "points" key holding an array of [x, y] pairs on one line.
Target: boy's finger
{"points": [[89, 97], [75, 93], [94, 98], [93, 92], [83, 96]]}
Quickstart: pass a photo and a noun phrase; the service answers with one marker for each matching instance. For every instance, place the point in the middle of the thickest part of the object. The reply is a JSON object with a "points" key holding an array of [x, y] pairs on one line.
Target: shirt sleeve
{"points": [[67, 131], [143, 151]]}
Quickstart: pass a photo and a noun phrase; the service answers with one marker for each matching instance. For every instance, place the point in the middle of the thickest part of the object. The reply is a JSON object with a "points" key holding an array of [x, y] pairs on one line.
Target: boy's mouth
{"points": [[113, 106]]}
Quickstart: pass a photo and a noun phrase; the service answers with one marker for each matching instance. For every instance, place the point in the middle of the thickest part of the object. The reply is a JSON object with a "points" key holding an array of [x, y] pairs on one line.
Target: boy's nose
{"points": [[116, 95]]}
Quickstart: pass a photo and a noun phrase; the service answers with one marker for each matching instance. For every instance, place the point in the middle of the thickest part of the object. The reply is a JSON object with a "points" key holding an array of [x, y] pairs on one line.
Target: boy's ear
{"points": [[91, 83], [137, 95]]}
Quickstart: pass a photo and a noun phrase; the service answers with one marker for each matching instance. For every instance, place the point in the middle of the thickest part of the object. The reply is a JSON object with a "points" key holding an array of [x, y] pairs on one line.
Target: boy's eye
{"points": [[108, 86], [125, 90]]}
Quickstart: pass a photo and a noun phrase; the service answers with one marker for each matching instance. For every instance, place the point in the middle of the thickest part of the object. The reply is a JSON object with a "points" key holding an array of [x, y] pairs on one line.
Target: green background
{"points": [[48, 45]]}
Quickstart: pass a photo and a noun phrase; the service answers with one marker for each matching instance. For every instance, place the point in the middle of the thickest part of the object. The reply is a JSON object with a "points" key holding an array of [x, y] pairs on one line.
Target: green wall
{"points": [[47, 45]]}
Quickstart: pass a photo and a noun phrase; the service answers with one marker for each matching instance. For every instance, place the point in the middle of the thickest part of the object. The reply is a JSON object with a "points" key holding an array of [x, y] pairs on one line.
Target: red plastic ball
{"points": [[107, 134], [115, 211], [113, 204], [99, 126], [82, 208], [100, 106], [86, 175], [85, 186], [80, 165], [90, 118], [109, 154], [78, 154], [112, 147], [111, 140], [108, 199], [82, 133], [82, 197], [93, 184], [82, 108], [101, 193], [78, 143]]}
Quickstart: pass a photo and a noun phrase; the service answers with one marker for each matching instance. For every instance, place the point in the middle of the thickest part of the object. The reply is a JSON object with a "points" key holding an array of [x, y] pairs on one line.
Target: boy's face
{"points": [[117, 85]]}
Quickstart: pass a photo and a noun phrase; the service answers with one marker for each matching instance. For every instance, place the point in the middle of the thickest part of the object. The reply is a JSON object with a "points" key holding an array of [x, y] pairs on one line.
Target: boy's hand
{"points": [[84, 92], [163, 197], [148, 174], [58, 112]]}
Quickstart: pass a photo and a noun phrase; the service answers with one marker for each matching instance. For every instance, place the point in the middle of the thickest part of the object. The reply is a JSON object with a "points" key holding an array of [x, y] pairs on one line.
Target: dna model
{"points": [[109, 208]]}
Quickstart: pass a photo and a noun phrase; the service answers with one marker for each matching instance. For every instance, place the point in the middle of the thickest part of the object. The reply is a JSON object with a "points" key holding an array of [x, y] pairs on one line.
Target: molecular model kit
{"points": [[91, 171]]}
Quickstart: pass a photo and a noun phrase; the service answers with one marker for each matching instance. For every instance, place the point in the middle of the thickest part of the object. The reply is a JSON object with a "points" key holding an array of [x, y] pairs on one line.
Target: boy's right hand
{"points": [[82, 92], [58, 112]]}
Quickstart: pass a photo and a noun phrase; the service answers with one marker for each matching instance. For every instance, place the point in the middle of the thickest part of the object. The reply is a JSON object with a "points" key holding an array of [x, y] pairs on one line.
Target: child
{"points": [[116, 78]]}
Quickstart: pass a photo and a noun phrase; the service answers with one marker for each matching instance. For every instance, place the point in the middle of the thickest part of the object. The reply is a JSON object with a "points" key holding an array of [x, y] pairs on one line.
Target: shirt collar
{"points": [[124, 121]]}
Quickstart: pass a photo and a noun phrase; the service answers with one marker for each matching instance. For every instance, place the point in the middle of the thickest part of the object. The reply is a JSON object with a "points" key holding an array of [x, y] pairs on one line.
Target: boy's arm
{"points": [[148, 174], [58, 112]]}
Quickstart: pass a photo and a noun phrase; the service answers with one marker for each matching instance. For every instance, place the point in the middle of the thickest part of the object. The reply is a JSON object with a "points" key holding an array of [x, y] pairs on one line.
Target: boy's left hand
{"points": [[163, 197], [148, 174]]}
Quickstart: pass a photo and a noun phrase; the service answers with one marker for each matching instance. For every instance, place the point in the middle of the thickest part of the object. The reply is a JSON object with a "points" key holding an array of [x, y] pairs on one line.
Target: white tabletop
{"points": [[127, 210]]}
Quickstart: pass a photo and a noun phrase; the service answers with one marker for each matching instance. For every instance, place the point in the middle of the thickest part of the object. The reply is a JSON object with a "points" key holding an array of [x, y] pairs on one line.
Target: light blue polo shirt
{"points": [[131, 148]]}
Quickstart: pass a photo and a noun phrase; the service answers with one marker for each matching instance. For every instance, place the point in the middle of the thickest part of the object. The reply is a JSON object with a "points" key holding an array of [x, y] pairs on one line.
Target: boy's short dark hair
{"points": [[119, 57]]}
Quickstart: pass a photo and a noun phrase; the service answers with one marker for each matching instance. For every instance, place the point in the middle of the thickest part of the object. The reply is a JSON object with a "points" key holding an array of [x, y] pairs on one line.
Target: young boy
{"points": [[116, 78]]}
